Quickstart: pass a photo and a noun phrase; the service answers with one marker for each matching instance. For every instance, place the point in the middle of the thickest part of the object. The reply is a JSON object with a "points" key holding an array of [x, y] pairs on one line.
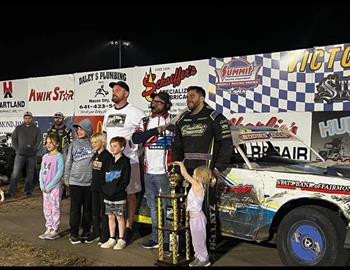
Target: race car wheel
{"points": [[311, 236]]}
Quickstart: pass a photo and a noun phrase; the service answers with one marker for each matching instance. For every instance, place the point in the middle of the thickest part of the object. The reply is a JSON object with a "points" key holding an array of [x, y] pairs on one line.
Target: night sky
{"points": [[51, 39]]}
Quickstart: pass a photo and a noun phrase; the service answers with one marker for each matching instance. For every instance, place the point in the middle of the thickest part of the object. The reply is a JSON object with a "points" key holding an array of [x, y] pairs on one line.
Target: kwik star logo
{"points": [[56, 95], [237, 75], [152, 85], [7, 89]]}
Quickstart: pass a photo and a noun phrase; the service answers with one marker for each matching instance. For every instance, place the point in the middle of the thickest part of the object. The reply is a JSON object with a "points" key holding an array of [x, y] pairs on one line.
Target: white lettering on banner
{"points": [[56, 95], [334, 127]]}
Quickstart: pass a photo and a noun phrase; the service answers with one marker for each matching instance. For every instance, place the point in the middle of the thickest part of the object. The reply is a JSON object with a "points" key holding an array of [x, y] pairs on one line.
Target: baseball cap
{"points": [[59, 114], [28, 114], [121, 84]]}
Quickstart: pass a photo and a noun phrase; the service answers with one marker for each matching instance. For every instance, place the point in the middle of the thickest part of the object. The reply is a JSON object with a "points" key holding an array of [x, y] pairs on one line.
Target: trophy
{"points": [[179, 223]]}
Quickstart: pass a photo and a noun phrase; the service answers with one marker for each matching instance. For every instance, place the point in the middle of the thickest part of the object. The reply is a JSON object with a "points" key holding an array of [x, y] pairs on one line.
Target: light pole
{"points": [[120, 43]]}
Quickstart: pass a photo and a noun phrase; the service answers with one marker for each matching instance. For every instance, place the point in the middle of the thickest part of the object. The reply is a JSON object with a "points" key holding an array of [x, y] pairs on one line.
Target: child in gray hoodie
{"points": [[78, 175]]}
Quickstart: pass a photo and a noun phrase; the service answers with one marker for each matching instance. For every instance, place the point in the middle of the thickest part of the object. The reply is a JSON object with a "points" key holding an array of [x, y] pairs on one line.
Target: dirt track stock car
{"points": [[303, 205]]}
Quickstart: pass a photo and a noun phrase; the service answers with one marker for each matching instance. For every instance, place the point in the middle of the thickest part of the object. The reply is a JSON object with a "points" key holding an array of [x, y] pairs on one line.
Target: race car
{"points": [[304, 206]]}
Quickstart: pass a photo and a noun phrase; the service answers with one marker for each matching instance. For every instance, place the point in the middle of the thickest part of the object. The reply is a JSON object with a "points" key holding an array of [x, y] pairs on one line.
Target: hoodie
{"points": [[78, 167]]}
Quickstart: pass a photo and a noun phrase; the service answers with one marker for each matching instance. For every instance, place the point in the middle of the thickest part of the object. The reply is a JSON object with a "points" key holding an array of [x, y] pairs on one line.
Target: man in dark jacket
{"points": [[26, 139], [202, 135]]}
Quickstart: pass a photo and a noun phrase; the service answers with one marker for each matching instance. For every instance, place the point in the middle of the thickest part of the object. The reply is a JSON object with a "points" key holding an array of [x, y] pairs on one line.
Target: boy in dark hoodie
{"points": [[78, 175], [116, 181]]}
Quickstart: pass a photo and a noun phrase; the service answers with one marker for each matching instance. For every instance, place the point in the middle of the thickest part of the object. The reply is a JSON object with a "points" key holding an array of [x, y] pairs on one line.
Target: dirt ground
{"points": [[19, 253], [16, 252]]}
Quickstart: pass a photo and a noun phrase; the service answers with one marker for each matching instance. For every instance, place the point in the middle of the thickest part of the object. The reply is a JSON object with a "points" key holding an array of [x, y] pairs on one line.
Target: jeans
{"points": [[153, 184], [80, 197], [20, 161]]}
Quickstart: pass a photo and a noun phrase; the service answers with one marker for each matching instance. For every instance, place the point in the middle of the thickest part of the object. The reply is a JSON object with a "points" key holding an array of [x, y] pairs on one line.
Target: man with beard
{"points": [[122, 120], [157, 143], [64, 133], [203, 137]]}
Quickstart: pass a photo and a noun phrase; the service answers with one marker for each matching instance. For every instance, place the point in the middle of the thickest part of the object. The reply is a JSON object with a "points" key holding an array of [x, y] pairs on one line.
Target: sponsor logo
{"points": [[237, 76], [101, 91], [56, 95], [333, 89], [313, 187], [273, 122], [175, 79], [7, 89]]}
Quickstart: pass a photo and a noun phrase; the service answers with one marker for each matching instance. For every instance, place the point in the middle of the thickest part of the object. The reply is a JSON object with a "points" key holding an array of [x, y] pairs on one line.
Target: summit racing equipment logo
{"points": [[152, 85], [332, 88], [237, 76]]}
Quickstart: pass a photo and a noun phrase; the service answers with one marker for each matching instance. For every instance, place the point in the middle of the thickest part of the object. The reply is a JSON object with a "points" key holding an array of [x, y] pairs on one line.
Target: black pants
{"points": [[80, 197], [99, 218]]}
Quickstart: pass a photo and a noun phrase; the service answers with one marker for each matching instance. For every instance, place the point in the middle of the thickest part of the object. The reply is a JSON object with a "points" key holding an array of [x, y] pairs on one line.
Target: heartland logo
{"points": [[237, 75], [56, 95], [7, 88], [149, 81]]}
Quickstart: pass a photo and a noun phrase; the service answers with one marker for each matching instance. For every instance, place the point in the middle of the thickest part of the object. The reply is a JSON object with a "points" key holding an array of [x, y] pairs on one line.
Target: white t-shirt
{"points": [[123, 122]]}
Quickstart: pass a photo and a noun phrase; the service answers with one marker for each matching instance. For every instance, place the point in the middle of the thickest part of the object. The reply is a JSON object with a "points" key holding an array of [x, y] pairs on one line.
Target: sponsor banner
{"points": [[92, 92], [96, 120], [171, 78], [313, 79], [47, 95], [330, 135], [299, 123], [13, 97], [8, 124]]}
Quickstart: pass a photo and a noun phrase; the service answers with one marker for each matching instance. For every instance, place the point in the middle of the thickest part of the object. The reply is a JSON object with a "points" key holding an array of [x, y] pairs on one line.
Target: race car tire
{"points": [[311, 236]]}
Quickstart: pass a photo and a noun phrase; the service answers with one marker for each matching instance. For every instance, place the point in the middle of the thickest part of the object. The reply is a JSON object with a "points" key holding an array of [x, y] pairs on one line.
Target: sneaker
{"points": [[53, 234], [43, 236], [150, 245], [121, 244], [197, 263], [85, 236], [92, 239], [109, 244], [128, 235], [9, 195], [75, 240]]}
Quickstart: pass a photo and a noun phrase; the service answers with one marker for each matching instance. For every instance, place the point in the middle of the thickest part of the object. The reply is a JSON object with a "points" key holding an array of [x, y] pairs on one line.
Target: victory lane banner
{"points": [[93, 94]]}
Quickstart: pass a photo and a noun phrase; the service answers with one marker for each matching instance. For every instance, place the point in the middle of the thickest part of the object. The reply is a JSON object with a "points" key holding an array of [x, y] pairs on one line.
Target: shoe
{"points": [[43, 236], [197, 263], [75, 240], [150, 245], [128, 235], [121, 244], [109, 244], [92, 239], [9, 195], [53, 234], [28, 194]]}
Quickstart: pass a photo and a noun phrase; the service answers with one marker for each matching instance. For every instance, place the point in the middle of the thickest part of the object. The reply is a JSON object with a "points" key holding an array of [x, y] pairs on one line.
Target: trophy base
{"points": [[182, 263]]}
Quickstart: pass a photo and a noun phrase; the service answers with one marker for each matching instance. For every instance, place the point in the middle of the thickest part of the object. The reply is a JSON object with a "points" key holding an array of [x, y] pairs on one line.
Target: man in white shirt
{"points": [[157, 142], [122, 120]]}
